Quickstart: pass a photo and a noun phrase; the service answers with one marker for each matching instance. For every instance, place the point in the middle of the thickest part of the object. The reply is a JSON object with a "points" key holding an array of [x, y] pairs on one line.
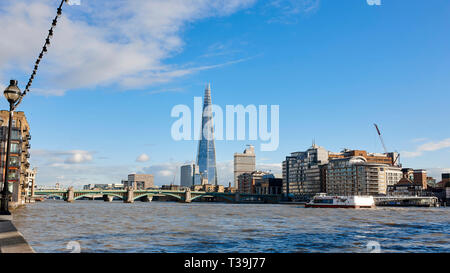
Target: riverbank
{"points": [[11, 240]]}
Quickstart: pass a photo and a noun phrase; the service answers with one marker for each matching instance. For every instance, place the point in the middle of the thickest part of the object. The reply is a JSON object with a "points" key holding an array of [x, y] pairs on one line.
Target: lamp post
{"points": [[12, 94]]}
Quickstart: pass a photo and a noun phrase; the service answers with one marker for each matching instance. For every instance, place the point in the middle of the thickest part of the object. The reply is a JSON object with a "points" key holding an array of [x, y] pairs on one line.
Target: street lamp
{"points": [[12, 94]]}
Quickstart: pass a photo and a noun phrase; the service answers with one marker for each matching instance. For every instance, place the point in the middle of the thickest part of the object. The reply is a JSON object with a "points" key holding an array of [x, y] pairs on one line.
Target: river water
{"points": [[98, 226]]}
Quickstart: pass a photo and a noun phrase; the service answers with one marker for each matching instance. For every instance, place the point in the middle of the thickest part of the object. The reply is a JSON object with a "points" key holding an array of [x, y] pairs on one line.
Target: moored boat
{"points": [[324, 201]]}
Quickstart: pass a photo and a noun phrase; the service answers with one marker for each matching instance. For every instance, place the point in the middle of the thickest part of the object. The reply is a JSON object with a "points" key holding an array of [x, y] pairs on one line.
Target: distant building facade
{"points": [[103, 187], [30, 181], [247, 181], [405, 187], [269, 185], [139, 181], [190, 175], [420, 178], [19, 155], [244, 163]]}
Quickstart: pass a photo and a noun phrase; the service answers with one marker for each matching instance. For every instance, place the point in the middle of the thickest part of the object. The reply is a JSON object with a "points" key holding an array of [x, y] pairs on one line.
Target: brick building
{"points": [[19, 155]]}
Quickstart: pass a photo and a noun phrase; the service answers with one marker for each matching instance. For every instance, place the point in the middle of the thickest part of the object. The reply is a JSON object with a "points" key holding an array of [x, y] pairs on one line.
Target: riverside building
{"points": [[346, 173], [303, 171], [18, 181], [19, 155], [247, 181], [244, 163], [356, 176]]}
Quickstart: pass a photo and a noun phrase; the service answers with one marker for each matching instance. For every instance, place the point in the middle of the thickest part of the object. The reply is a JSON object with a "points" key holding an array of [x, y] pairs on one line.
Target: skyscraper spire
{"points": [[206, 157]]}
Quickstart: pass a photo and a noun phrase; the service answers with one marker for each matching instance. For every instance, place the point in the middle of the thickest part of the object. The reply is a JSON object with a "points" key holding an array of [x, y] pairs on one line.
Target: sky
{"points": [[100, 105]]}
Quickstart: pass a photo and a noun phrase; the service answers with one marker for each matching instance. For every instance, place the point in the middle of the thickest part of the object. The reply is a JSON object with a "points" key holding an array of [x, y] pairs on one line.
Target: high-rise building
{"points": [[19, 154], [189, 175], [302, 171], [244, 163], [206, 156]]}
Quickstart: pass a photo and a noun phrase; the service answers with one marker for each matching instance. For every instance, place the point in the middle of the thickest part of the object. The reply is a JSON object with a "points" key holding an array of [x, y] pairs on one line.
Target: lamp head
{"points": [[12, 92]]}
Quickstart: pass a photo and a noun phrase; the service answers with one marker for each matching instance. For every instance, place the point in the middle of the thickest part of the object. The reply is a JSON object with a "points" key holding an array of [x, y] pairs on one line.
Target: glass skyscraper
{"points": [[206, 156]]}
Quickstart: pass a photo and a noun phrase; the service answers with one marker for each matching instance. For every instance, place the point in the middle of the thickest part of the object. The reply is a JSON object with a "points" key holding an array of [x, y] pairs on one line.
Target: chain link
{"points": [[43, 52]]}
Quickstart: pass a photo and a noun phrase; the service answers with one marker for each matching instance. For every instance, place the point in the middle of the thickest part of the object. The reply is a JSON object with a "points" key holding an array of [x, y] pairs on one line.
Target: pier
{"points": [[407, 201]]}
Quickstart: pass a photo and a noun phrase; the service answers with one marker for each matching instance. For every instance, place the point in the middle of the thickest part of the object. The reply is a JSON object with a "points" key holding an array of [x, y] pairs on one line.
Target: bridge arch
{"points": [[98, 193], [229, 198], [54, 195], [142, 195]]}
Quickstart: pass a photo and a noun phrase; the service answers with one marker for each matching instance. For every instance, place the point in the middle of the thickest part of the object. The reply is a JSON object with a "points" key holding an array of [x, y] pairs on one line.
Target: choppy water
{"points": [[214, 227]]}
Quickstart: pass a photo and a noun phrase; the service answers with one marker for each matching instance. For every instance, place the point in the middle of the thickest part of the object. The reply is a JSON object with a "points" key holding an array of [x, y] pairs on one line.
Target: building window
{"points": [[15, 135], [15, 148], [14, 161], [13, 175]]}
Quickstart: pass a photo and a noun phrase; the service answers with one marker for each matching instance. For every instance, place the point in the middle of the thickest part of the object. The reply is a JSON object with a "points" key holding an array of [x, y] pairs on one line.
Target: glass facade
{"points": [[206, 156]]}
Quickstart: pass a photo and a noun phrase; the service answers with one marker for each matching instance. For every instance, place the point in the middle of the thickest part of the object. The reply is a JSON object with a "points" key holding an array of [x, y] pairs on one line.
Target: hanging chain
{"points": [[43, 52]]}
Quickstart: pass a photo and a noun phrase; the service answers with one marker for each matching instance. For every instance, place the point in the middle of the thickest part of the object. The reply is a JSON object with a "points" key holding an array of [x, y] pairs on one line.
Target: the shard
{"points": [[206, 156]]}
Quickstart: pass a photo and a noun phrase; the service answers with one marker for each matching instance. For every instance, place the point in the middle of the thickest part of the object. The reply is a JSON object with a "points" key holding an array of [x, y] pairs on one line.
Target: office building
{"points": [[393, 175], [189, 175], [18, 181], [139, 181], [303, 171], [356, 176], [206, 156], [247, 181], [269, 185], [244, 163]]}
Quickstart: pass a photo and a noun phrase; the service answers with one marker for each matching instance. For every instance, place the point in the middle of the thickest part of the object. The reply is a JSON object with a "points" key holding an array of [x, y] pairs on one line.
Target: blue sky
{"points": [[104, 93]]}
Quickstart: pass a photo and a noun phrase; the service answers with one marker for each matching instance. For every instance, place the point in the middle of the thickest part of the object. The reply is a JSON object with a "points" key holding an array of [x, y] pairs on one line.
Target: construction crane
{"points": [[173, 181], [384, 146], [381, 138]]}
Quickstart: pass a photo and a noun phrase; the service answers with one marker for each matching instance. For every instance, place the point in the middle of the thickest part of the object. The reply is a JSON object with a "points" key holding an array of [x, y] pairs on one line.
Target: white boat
{"points": [[324, 201]]}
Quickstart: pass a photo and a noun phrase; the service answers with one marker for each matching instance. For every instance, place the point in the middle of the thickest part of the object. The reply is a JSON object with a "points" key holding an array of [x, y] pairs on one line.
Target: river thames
{"points": [[172, 227]]}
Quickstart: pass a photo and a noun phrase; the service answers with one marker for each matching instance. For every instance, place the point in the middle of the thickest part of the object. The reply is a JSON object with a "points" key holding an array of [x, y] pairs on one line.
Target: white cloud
{"points": [[102, 42], [143, 158], [78, 157], [115, 42], [164, 173], [58, 158], [428, 147]]}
